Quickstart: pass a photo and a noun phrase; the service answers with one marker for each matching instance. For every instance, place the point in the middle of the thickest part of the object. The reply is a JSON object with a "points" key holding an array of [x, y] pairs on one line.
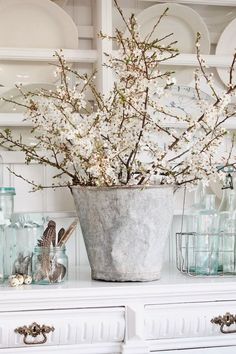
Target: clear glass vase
{"points": [[21, 236]]}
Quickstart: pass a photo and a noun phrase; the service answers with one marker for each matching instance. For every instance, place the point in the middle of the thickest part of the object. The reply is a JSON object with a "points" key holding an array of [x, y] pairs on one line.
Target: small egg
{"points": [[27, 279], [14, 282], [12, 276], [20, 279]]}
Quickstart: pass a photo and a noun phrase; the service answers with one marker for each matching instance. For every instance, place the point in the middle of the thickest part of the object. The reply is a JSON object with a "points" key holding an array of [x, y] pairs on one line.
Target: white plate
{"points": [[226, 46], [33, 24], [182, 101], [184, 23], [14, 94]]}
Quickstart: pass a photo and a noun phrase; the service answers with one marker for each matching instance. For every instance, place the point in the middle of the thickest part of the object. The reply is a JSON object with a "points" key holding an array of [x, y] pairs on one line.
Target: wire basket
{"points": [[206, 254]]}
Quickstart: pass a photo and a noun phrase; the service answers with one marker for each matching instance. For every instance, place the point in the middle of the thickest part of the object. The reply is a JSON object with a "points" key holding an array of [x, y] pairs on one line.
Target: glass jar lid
{"points": [[7, 191], [53, 249], [27, 220]]}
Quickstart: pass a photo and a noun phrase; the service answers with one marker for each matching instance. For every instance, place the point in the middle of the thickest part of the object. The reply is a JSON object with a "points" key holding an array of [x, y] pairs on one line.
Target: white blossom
{"points": [[125, 136]]}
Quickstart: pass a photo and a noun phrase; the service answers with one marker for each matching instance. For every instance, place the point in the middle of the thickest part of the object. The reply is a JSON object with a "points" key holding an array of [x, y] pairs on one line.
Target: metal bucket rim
{"points": [[106, 188]]}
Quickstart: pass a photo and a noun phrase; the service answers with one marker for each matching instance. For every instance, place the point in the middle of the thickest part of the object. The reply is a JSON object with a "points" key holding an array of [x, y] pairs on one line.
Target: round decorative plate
{"points": [[184, 23], [182, 100], [226, 46], [33, 24]]}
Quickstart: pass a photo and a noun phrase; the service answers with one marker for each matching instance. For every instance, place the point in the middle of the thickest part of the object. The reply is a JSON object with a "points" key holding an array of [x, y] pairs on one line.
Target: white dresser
{"points": [[166, 316]]}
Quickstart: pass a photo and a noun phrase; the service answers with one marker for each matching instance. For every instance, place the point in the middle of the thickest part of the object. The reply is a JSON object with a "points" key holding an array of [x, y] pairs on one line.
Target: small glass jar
{"points": [[50, 265], [20, 238]]}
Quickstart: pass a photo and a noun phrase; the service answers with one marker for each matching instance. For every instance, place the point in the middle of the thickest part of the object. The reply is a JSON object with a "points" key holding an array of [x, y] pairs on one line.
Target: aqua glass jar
{"points": [[20, 238], [6, 209], [50, 265]]}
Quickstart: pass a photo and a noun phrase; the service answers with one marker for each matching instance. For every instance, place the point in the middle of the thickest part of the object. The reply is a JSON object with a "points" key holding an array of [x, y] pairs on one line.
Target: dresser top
{"points": [[81, 291]]}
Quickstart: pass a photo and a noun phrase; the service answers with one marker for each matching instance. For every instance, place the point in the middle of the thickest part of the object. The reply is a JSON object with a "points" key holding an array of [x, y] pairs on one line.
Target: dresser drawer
{"points": [[176, 326], [71, 327]]}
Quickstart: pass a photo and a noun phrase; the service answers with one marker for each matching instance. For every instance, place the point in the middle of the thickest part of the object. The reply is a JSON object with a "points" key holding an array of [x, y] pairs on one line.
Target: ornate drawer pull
{"points": [[34, 330], [225, 321]]}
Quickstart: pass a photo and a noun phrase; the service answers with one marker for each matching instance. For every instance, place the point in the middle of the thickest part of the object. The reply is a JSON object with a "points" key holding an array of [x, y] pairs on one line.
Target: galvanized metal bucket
{"points": [[125, 229]]}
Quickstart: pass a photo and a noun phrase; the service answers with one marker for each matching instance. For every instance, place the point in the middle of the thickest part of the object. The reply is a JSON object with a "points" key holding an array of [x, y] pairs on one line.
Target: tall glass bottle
{"points": [[207, 240], [227, 229], [197, 206], [227, 210]]}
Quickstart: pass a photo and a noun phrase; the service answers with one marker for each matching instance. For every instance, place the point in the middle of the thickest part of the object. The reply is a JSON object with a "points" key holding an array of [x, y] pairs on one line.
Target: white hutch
{"points": [[169, 316]]}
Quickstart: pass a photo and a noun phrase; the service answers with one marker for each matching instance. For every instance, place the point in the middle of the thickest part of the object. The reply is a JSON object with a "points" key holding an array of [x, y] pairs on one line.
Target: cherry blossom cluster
{"points": [[123, 138]]}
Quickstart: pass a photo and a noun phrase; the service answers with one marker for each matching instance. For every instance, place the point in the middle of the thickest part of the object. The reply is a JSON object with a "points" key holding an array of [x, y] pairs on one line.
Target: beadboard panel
{"points": [[56, 204]]}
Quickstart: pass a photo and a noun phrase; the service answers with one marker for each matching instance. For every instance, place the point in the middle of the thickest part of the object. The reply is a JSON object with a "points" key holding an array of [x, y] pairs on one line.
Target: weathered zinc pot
{"points": [[125, 229]]}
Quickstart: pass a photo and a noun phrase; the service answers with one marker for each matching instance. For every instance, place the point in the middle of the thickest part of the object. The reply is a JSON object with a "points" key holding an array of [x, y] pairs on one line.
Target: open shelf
{"points": [[91, 56], [44, 54], [199, 2], [212, 60]]}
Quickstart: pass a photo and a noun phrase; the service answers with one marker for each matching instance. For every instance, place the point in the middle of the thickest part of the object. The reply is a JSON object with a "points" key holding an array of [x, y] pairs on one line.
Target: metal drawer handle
{"points": [[225, 321], [34, 330]]}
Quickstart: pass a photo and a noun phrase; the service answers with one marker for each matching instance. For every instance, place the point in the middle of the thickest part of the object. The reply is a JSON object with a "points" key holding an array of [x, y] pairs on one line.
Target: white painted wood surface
{"points": [[40, 54], [97, 348], [172, 313]]}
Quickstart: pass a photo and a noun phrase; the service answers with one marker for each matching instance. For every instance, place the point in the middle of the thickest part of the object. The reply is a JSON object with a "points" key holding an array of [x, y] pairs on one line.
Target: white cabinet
{"points": [[92, 317]]}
